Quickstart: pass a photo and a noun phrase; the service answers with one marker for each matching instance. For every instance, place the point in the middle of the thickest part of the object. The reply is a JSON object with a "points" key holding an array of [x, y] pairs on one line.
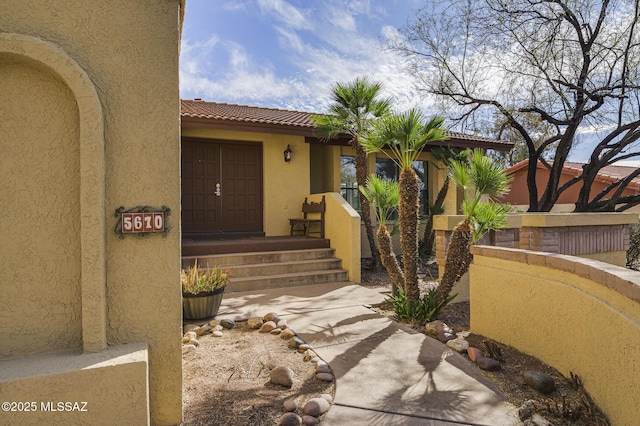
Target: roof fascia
{"points": [[241, 126]]}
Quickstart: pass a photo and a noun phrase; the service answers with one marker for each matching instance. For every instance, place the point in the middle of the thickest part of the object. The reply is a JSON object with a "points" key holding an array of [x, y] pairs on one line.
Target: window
{"points": [[385, 168], [348, 183]]}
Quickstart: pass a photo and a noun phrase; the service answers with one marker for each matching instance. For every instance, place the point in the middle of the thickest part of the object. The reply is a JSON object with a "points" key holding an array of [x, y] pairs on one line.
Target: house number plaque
{"points": [[142, 221]]}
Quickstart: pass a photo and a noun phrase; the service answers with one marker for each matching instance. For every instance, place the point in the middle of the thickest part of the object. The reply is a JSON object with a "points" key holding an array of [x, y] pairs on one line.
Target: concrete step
{"points": [[274, 269], [289, 267], [234, 259], [286, 280]]}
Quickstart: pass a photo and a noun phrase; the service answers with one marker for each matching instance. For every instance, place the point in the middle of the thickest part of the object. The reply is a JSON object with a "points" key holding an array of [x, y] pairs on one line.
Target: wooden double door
{"points": [[221, 186]]}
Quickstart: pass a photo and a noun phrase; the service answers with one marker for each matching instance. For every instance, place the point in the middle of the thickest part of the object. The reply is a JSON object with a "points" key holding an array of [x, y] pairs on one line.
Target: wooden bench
{"points": [[306, 222]]}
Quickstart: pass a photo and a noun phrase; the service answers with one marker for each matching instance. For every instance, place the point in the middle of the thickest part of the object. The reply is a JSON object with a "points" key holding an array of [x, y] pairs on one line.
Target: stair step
{"points": [[198, 247], [262, 269], [235, 259], [286, 280]]}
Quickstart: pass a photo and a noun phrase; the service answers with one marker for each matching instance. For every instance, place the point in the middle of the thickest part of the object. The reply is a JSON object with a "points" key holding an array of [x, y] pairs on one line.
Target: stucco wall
{"points": [[40, 249], [126, 53], [577, 315], [342, 227], [284, 184], [44, 381]]}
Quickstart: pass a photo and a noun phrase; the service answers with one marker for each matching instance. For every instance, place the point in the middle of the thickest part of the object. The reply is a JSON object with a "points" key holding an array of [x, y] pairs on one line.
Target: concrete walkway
{"points": [[386, 373]]}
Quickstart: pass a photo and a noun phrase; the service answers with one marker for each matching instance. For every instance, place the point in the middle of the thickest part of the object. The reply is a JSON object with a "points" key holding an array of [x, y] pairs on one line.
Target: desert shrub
{"points": [[423, 310]]}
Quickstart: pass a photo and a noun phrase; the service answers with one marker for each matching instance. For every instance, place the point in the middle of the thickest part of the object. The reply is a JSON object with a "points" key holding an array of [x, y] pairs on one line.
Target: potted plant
{"points": [[202, 291]]}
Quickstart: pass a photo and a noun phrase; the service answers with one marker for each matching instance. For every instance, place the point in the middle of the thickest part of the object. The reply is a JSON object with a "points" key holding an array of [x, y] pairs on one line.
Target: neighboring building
{"points": [[89, 122], [519, 193], [241, 149]]}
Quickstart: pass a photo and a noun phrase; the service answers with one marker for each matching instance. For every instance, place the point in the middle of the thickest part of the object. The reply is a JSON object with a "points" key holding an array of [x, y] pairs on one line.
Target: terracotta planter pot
{"points": [[203, 305]]}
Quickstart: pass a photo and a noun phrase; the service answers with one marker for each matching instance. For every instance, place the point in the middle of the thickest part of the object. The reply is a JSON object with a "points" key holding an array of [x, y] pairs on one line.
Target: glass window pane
{"points": [[386, 168], [348, 183]]}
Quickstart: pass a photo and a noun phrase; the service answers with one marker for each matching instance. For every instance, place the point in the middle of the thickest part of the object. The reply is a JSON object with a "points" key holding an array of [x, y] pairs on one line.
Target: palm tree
{"points": [[483, 181], [402, 137], [384, 195], [444, 156], [353, 109]]}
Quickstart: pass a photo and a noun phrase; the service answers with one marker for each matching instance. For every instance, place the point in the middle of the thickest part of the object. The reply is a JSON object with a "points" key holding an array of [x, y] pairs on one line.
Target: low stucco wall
{"points": [[577, 315], [89, 386], [342, 228]]}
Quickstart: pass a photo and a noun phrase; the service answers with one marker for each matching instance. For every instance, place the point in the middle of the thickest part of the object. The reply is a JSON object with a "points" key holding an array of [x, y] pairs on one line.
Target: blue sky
{"points": [[286, 54]]}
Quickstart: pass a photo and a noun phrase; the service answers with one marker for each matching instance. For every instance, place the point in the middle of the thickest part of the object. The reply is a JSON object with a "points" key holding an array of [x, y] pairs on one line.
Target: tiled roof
{"points": [[606, 174], [243, 113], [251, 115]]}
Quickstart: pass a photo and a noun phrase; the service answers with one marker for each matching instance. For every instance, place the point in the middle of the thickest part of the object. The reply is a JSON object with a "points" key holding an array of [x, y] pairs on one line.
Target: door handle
{"points": [[217, 191]]}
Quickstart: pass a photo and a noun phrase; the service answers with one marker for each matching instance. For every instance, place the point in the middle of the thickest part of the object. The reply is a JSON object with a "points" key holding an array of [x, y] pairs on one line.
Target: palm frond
{"points": [[384, 194]]}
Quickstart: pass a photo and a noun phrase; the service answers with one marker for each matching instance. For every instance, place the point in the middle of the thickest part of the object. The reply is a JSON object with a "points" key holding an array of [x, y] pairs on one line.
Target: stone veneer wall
{"points": [[599, 236]]}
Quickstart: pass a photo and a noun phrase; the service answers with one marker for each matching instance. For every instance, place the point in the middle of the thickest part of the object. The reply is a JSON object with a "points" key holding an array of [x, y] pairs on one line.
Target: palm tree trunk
{"points": [[408, 214], [457, 259], [365, 206], [429, 234], [389, 260]]}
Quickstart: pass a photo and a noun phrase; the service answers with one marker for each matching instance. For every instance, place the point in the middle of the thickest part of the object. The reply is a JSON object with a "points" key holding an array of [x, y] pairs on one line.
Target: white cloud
{"points": [[341, 20], [284, 12], [338, 46]]}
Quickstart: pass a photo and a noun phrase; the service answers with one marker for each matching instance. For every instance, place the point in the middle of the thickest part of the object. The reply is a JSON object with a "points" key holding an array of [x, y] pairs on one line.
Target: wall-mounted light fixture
{"points": [[287, 154]]}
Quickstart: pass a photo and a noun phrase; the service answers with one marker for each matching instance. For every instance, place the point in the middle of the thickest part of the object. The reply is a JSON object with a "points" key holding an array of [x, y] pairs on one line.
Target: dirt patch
{"points": [[226, 379]]}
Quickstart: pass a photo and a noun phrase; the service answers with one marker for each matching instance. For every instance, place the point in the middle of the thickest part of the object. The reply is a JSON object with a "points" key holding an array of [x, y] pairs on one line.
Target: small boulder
{"points": [[282, 376], [215, 322], [328, 397], [267, 327], [474, 353], [295, 342], [271, 316], [445, 337], [282, 324], [323, 368], [539, 381], [275, 331], [316, 407], [254, 323], [202, 330], [290, 419], [216, 333], [308, 355], [290, 405], [310, 420], [188, 348], [189, 335], [325, 377], [436, 327], [303, 348], [227, 323], [487, 364], [458, 345], [287, 334]]}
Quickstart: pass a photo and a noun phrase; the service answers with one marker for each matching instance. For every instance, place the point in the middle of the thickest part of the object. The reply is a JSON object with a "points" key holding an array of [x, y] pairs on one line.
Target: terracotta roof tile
{"points": [[301, 120], [244, 113], [606, 174]]}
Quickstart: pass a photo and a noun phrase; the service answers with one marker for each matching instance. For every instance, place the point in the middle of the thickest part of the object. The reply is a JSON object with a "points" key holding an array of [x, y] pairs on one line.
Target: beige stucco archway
{"points": [[50, 58]]}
